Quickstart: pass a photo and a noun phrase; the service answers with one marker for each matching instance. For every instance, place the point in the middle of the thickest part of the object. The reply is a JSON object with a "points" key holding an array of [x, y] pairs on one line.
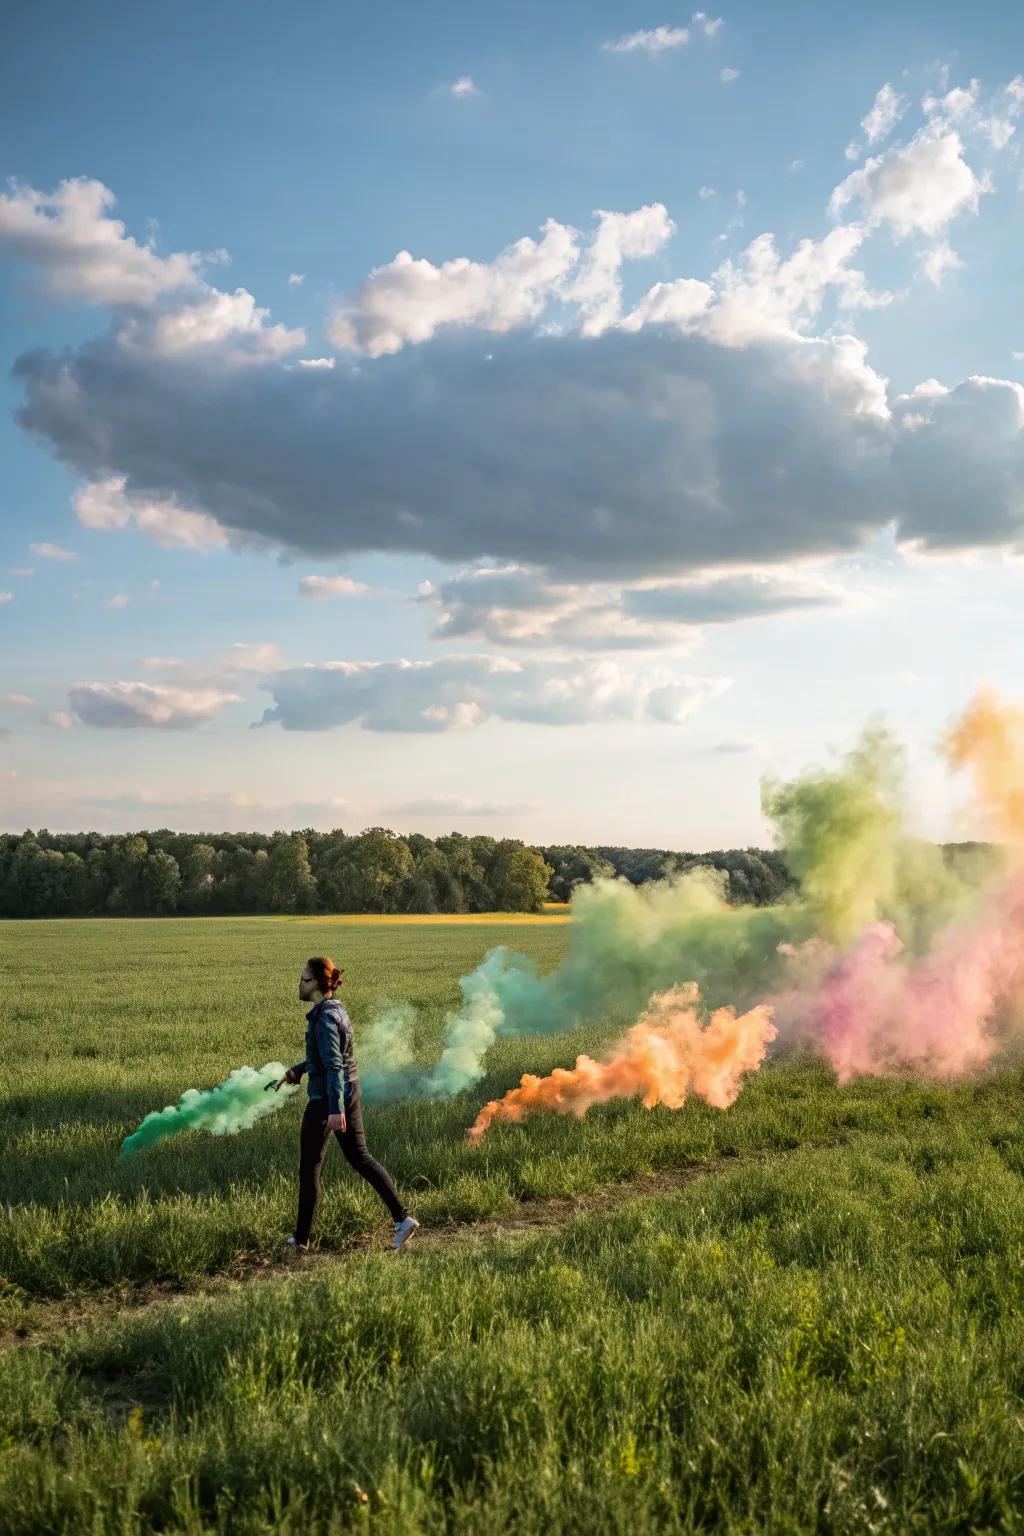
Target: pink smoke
{"points": [[877, 1010]]}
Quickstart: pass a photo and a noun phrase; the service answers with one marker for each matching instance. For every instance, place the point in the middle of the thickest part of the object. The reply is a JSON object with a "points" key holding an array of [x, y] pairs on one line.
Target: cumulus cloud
{"points": [[462, 692], [80, 252], [889, 106], [465, 85], [620, 237], [627, 454], [962, 452], [145, 705], [728, 75], [119, 600], [296, 279], [106, 504], [228, 326], [322, 587], [704, 427], [54, 552], [409, 300], [919, 189]]}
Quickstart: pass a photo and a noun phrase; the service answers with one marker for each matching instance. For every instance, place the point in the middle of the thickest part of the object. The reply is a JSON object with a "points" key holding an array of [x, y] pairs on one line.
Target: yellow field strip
{"points": [[462, 919]]}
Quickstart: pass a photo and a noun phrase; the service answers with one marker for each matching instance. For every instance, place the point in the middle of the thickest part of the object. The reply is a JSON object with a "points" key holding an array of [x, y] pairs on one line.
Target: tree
{"points": [[574, 866], [161, 881], [289, 885], [519, 879], [371, 873]]}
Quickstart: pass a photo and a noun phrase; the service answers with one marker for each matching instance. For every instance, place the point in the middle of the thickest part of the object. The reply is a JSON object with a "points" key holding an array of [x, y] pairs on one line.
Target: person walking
{"points": [[332, 1087]]}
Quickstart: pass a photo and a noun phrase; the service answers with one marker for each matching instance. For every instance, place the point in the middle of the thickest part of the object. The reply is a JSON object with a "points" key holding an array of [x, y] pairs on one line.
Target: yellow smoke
{"points": [[989, 741]]}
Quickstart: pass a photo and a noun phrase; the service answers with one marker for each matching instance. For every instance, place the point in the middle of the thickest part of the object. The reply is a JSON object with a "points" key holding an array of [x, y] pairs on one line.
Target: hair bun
{"points": [[335, 977]]}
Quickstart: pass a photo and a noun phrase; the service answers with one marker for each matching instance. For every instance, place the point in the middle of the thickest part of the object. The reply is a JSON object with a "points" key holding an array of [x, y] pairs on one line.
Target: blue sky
{"points": [[681, 524]]}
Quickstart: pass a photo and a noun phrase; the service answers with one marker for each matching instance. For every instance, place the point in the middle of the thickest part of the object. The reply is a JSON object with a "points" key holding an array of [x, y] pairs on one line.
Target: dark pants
{"points": [[313, 1139]]}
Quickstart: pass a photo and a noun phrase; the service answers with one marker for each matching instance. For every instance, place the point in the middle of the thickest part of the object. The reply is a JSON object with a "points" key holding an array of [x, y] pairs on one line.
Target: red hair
{"points": [[325, 973]]}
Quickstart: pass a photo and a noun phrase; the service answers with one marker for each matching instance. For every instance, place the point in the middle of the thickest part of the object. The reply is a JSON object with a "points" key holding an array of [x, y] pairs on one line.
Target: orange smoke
{"points": [[989, 740], [666, 1055]]}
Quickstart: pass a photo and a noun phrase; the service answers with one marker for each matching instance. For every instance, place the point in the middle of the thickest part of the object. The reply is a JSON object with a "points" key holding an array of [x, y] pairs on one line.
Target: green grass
{"points": [[820, 1332]]}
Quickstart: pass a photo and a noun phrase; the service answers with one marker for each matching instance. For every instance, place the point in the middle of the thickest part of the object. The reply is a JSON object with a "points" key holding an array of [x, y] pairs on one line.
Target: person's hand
{"points": [[336, 1123], [291, 1076]]}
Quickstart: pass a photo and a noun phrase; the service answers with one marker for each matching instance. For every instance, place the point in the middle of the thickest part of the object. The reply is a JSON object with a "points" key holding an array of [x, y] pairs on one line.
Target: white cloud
{"points": [[316, 362], [106, 504], [916, 190], [795, 166], [331, 586], [764, 296], [59, 718], [727, 76], [148, 705], [409, 300], [706, 193], [81, 252], [620, 237], [208, 324], [889, 106], [462, 692], [120, 600], [6, 597], [938, 261], [296, 279], [664, 39], [465, 85], [252, 656], [705, 426], [653, 40], [18, 700], [162, 663], [22, 570], [54, 552]]}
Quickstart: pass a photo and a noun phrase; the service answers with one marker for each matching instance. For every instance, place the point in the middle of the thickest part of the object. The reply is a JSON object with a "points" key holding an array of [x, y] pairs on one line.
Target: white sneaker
{"points": [[290, 1242], [404, 1229]]}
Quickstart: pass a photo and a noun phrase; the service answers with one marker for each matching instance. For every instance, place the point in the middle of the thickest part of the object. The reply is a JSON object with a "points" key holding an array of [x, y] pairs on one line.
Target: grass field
{"points": [[801, 1314]]}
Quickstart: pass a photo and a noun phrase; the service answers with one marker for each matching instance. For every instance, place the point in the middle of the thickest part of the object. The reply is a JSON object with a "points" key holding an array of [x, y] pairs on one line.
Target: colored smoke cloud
{"points": [[861, 997], [666, 1056], [844, 832], [232, 1106]]}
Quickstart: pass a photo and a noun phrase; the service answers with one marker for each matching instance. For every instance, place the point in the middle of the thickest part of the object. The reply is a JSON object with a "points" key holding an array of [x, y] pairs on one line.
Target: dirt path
{"points": [[42, 1320]]}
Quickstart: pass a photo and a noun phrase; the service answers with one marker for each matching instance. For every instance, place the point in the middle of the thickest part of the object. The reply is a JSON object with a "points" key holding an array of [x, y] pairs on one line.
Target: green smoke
{"points": [[844, 837], [387, 1056], [232, 1106]]}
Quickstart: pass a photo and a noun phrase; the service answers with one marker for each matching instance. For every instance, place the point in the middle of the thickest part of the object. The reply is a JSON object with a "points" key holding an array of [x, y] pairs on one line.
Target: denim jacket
{"points": [[330, 1054]]}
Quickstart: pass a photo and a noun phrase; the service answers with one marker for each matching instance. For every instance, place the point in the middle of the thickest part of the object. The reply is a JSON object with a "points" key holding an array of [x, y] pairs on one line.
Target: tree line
{"points": [[158, 874]]}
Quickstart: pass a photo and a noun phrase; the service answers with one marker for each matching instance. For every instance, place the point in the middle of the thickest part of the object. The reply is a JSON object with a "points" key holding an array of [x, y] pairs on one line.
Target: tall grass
{"points": [[828, 1343], [821, 1332]]}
